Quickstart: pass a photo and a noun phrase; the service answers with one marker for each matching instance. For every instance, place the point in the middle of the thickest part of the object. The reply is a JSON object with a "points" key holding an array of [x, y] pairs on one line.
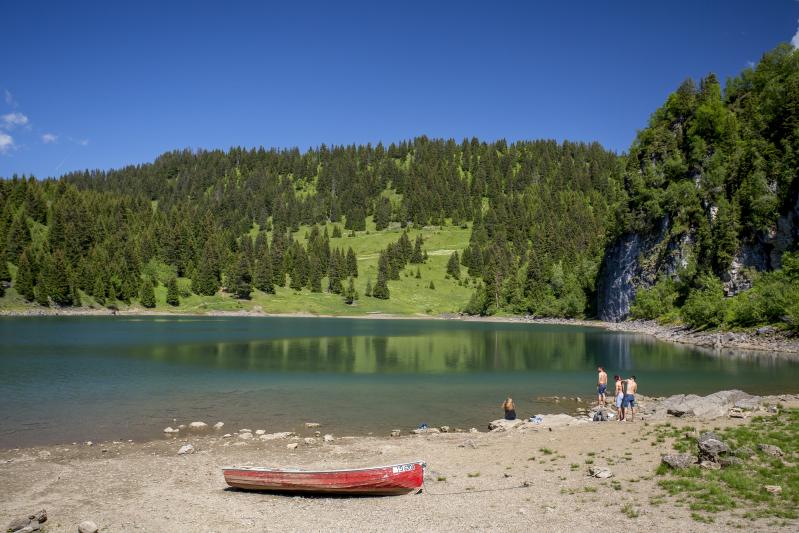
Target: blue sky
{"points": [[102, 85]]}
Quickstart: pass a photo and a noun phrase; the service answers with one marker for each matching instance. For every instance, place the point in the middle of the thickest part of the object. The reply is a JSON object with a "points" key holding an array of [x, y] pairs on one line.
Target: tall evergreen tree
{"points": [[380, 289], [26, 276], [147, 297], [17, 237], [416, 255], [239, 281], [55, 275], [352, 263], [205, 281], [263, 280], [454, 266], [172, 292], [350, 294]]}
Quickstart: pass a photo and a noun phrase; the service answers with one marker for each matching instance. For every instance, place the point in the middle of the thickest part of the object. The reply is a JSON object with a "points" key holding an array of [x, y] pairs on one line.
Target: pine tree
{"points": [[147, 296], [56, 279], [205, 281], [315, 274], [240, 280], [98, 292], [336, 232], [350, 294], [5, 275], [18, 237], [454, 266], [352, 263], [416, 255], [432, 286], [26, 277], [380, 289], [382, 213], [41, 290], [368, 288], [418, 273], [172, 293], [263, 278]]}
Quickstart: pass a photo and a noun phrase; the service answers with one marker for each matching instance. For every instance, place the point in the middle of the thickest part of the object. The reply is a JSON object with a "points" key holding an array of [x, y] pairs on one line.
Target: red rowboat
{"points": [[379, 480]]}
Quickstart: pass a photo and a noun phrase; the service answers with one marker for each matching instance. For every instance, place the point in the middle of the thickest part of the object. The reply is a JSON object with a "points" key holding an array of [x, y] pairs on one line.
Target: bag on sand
{"points": [[600, 416]]}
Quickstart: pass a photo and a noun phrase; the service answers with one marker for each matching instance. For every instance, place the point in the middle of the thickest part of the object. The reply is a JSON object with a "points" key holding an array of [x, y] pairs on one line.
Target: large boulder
{"points": [[87, 526], [714, 405], [504, 425], [770, 449], [711, 447]]}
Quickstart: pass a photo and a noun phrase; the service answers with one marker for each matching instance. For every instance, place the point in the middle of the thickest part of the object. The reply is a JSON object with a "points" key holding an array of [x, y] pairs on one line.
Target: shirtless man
{"points": [[602, 385], [510, 408], [629, 398], [619, 394]]}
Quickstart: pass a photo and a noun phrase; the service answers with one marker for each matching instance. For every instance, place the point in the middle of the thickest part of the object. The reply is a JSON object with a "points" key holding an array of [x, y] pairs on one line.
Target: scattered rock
{"points": [[317, 433], [772, 409], [313, 424], [770, 449], [729, 461], [600, 472], [292, 446], [709, 465], [170, 430], [395, 432], [186, 449], [309, 440], [18, 523], [182, 426], [444, 429], [425, 431], [473, 430], [246, 435], [714, 405], [679, 460], [711, 447], [219, 425], [40, 517], [89, 443], [772, 489], [260, 432], [737, 412], [245, 431], [765, 330], [275, 436], [749, 404], [87, 526], [198, 425], [226, 436], [504, 425], [329, 438]]}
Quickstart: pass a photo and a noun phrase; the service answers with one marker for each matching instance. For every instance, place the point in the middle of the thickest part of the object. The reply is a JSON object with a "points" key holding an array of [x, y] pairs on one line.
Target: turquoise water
{"points": [[65, 379]]}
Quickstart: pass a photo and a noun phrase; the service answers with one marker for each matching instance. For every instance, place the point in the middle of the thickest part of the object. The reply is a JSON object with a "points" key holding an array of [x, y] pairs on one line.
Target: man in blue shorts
{"points": [[629, 399], [602, 386]]}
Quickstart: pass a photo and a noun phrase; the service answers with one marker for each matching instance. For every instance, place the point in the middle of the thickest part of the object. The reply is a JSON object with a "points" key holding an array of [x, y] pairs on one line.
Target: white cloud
{"points": [[14, 119], [10, 98], [795, 40], [6, 143], [48, 138]]}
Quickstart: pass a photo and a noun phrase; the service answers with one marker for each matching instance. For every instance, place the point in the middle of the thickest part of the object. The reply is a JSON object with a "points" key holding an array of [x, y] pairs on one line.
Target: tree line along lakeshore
{"points": [[433, 225]]}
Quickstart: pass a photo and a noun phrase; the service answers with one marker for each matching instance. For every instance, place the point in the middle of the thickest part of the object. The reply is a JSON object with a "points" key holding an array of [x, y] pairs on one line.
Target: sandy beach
{"points": [[511, 480]]}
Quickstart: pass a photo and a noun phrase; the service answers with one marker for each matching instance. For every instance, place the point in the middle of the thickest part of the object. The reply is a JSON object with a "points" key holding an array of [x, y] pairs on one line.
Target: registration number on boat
{"points": [[401, 468]]}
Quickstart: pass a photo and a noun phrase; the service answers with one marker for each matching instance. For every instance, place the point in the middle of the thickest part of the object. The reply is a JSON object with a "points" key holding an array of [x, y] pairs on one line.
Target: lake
{"points": [[65, 379]]}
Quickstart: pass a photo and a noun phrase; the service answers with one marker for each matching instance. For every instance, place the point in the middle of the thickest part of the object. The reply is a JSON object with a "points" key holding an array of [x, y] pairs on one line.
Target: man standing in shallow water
{"points": [[602, 385]]}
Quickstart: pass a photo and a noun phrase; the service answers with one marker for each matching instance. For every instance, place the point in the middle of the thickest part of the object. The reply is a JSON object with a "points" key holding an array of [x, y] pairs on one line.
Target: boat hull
{"points": [[378, 481]]}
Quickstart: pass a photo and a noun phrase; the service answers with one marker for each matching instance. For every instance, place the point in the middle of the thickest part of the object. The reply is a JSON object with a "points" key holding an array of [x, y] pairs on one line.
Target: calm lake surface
{"points": [[65, 379]]}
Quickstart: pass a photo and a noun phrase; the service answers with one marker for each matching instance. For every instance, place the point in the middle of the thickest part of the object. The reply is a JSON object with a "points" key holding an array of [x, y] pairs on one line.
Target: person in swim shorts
{"points": [[619, 397], [602, 386], [629, 398], [510, 408]]}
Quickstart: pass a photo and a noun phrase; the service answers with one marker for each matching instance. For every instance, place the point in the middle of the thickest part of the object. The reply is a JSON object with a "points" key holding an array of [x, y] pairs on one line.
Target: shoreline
{"points": [[539, 475], [763, 339]]}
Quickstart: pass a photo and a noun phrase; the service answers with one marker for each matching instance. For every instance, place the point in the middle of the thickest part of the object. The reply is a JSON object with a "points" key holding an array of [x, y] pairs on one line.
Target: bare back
{"points": [[632, 386]]}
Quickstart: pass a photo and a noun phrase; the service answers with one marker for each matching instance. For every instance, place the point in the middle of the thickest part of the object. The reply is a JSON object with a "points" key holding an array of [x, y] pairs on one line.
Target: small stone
{"points": [[770, 449], [198, 425], [712, 448], [444, 429], [744, 451], [246, 435], [729, 461], [219, 425], [317, 433], [773, 489], [473, 430], [260, 432], [226, 436], [40, 517], [395, 432], [245, 431], [600, 472], [709, 465], [273, 436], [87, 526], [170, 430], [329, 438], [737, 412], [292, 446], [313, 425], [89, 443], [309, 440], [182, 426], [186, 449]]}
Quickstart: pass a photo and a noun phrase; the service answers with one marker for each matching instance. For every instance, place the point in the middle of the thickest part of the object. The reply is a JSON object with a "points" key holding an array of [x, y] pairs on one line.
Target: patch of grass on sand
{"points": [[742, 487], [629, 510], [441, 478], [546, 451], [473, 474]]}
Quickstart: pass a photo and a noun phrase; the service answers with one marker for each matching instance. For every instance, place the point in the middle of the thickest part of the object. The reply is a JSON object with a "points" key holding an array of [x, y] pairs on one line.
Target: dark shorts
{"points": [[601, 389], [510, 415], [628, 401]]}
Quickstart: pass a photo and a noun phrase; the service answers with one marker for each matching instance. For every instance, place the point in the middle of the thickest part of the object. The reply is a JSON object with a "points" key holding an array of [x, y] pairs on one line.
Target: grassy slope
{"points": [[408, 295]]}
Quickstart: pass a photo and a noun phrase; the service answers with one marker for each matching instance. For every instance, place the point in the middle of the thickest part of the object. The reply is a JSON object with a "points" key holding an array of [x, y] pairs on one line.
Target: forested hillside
{"points": [[703, 206]]}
